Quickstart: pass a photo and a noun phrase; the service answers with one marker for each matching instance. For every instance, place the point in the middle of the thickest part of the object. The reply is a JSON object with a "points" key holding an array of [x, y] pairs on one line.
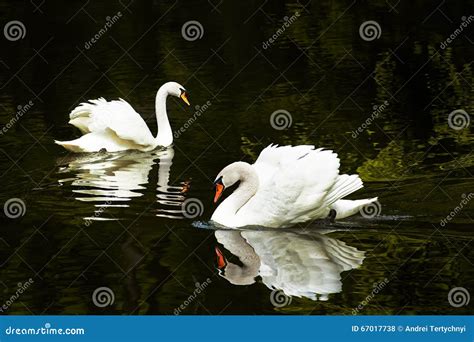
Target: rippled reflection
{"points": [[299, 264], [114, 179]]}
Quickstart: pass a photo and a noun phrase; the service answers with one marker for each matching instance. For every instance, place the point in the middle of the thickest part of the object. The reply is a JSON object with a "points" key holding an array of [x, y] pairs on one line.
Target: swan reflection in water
{"points": [[114, 179], [300, 264]]}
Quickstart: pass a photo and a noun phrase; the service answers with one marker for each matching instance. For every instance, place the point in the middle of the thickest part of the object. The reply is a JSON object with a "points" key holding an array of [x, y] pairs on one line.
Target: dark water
{"points": [[117, 220]]}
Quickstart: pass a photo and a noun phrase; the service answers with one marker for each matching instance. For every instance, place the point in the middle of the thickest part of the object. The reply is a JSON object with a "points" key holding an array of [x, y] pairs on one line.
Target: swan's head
{"points": [[176, 89], [230, 175], [235, 274]]}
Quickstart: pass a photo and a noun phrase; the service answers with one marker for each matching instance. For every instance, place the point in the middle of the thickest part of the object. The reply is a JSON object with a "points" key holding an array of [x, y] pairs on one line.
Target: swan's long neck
{"points": [[235, 243], [165, 135], [249, 183]]}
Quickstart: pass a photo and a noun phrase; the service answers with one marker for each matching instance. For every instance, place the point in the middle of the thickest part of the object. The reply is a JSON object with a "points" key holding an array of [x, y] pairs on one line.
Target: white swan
{"points": [[116, 126], [285, 186], [301, 264]]}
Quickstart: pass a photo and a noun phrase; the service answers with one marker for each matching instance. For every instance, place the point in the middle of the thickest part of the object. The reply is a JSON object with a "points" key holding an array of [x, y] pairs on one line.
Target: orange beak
{"points": [[220, 259], [219, 190], [184, 97]]}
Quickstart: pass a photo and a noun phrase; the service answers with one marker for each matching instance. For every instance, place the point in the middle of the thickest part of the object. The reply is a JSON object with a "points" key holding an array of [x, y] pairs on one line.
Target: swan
{"points": [[301, 264], [285, 186], [116, 126]]}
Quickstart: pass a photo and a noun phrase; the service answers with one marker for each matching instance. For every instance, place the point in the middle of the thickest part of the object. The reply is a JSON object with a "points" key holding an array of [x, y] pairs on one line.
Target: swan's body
{"points": [[299, 264], [116, 126], [285, 186]]}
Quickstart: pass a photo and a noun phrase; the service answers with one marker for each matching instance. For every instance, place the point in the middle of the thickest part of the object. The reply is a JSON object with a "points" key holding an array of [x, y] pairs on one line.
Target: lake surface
{"points": [[128, 233]]}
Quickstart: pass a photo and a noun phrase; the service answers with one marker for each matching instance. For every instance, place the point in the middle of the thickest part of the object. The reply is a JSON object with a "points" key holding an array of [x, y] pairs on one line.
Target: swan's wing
{"points": [[302, 265], [118, 115], [294, 180]]}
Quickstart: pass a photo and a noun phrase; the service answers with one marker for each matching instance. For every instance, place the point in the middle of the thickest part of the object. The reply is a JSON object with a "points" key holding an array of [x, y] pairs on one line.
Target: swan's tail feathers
{"points": [[368, 207], [344, 185], [70, 145]]}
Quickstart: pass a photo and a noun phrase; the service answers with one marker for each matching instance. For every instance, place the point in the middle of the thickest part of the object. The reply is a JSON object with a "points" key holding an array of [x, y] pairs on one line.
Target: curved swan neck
{"points": [[247, 189], [165, 135], [235, 243]]}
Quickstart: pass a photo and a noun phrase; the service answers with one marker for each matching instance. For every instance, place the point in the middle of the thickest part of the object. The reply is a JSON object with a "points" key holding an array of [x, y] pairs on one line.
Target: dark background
{"points": [[319, 70]]}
